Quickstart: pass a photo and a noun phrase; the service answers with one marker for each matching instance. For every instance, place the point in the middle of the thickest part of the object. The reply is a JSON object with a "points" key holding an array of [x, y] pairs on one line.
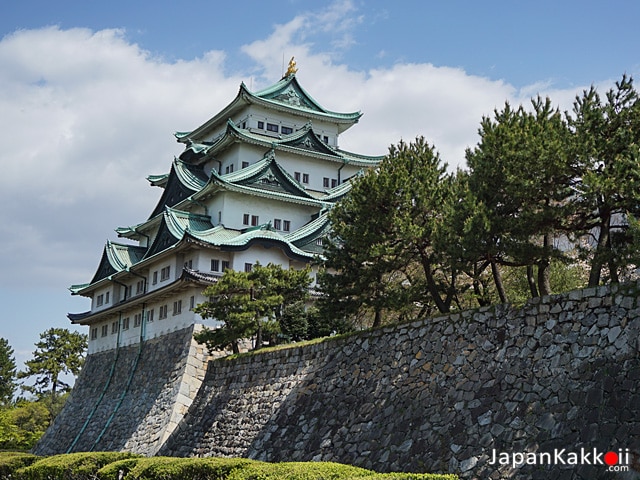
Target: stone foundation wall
{"points": [[129, 399], [438, 395]]}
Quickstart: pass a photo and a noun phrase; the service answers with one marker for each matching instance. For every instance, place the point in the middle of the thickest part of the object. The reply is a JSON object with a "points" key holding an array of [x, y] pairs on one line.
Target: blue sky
{"points": [[91, 92]]}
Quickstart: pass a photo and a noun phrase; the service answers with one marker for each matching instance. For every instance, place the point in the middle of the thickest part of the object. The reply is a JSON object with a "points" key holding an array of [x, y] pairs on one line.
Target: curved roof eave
{"points": [[234, 134], [291, 82], [219, 184], [245, 97]]}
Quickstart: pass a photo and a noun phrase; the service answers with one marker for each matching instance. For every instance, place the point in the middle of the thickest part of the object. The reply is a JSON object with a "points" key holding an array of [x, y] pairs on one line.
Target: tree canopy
{"points": [[58, 352], [7, 373], [546, 193], [251, 304]]}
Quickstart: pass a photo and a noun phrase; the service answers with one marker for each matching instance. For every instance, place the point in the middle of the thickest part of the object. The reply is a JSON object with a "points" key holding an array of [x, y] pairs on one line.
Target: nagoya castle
{"points": [[254, 184]]}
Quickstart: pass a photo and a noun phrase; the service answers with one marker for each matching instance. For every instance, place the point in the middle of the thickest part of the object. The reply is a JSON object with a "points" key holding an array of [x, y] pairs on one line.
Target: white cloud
{"points": [[88, 115]]}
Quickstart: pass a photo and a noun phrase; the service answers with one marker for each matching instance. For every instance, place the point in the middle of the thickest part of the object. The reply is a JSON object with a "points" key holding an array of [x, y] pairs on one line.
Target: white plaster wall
{"points": [[233, 206], [259, 254]]}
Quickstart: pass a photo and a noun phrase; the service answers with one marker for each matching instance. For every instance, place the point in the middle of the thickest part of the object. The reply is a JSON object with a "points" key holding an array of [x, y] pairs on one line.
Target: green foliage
{"points": [[58, 352], [126, 466], [521, 172], [72, 466], [298, 471], [12, 461], [257, 303], [22, 425], [172, 468], [607, 149], [7, 373], [382, 256]]}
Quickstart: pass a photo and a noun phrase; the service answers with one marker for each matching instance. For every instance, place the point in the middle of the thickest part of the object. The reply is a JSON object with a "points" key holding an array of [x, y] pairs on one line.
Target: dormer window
{"points": [[286, 130], [272, 127]]}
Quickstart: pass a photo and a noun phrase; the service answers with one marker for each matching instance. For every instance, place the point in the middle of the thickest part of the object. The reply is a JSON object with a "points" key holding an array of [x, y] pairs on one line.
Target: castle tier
{"points": [[254, 184]]}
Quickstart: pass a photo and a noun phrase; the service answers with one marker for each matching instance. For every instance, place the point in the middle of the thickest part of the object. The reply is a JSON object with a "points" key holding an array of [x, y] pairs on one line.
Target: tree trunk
{"points": [[533, 288], [431, 283], [497, 279], [544, 267], [259, 336], [377, 319], [602, 247]]}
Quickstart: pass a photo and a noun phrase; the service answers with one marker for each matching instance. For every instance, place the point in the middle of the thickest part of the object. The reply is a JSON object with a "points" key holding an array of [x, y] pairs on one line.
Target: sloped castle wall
{"points": [[437, 395], [131, 398]]}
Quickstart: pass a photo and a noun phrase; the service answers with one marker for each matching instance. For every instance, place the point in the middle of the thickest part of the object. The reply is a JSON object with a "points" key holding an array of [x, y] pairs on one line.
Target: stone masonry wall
{"points": [[129, 399], [438, 395]]}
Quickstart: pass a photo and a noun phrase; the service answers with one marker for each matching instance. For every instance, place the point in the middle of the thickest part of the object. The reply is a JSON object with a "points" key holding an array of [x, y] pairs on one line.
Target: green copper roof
{"points": [[267, 174], [183, 181], [302, 142], [158, 180], [289, 92], [117, 257], [286, 95]]}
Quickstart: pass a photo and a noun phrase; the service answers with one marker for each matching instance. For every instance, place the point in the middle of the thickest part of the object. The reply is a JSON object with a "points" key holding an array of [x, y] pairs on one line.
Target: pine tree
{"points": [[58, 352], [7, 373]]}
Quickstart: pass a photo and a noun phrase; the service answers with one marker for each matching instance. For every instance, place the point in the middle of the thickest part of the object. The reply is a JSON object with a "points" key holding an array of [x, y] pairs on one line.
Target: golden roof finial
{"points": [[291, 69]]}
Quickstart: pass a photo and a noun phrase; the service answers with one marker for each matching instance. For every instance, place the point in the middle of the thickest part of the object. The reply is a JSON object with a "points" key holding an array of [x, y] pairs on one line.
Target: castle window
{"points": [[286, 225], [99, 300], [163, 312], [326, 139], [325, 182], [248, 267], [305, 178], [277, 223], [286, 130], [150, 315], [114, 328], [137, 320], [296, 175], [334, 183], [105, 330], [188, 264], [261, 125], [106, 297], [192, 302], [94, 333], [140, 287], [254, 220], [177, 307], [125, 323], [245, 164], [165, 273], [215, 265], [155, 277], [245, 219], [272, 127], [225, 265]]}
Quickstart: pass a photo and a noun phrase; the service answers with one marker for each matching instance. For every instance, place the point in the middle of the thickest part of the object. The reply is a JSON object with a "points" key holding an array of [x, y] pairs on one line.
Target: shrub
{"points": [[413, 476], [298, 471], [12, 461], [71, 466], [169, 468]]}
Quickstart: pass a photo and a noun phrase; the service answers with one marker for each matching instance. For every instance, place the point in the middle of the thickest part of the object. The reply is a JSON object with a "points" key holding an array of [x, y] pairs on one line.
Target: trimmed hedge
{"points": [[12, 461], [155, 468], [70, 466], [126, 466]]}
